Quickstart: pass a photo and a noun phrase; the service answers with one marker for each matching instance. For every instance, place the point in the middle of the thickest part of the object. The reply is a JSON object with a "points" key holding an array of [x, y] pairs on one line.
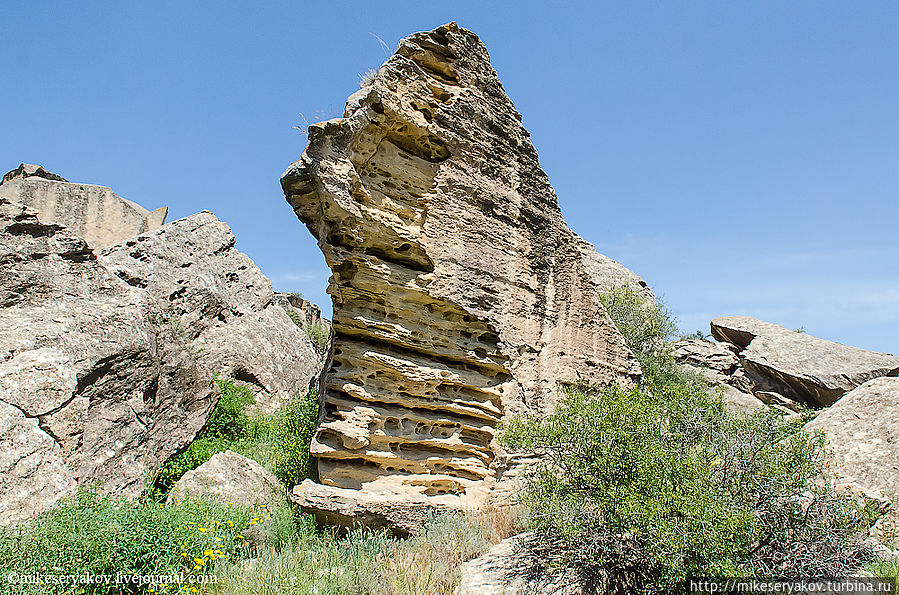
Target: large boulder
{"points": [[862, 431], [231, 478], [219, 301], [460, 295], [96, 385], [798, 366], [402, 514], [94, 213]]}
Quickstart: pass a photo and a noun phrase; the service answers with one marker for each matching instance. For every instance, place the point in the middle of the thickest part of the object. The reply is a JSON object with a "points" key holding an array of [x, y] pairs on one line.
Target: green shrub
{"points": [[91, 534], [640, 488], [319, 334], [643, 488], [644, 324], [291, 436], [296, 317]]}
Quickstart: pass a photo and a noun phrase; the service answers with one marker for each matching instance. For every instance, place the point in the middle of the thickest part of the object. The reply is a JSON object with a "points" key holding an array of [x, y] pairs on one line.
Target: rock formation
{"points": [[94, 213], [305, 311], [221, 303], [802, 368], [95, 383], [720, 366], [862, 431], [107, 357], [231, 478], [460, 295]]}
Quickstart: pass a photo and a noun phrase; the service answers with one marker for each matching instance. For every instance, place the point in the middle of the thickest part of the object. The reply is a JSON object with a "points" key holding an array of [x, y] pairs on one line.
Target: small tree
{"points": [[640, 488]]}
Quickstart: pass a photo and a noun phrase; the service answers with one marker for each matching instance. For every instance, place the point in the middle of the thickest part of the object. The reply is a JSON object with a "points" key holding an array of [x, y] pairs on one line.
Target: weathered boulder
{"points": [[221, 304], [459, 293], [231, 478], [798, 366], [400, 513], [95, 383], [94, 213], [862, 431], [508, 570]]}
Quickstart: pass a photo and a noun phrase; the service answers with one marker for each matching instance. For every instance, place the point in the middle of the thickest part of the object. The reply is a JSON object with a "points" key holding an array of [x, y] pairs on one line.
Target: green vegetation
{"points": [[280, 442], [319, 334], [362, 563], [90, 534], [291, 435], [645, 486]]}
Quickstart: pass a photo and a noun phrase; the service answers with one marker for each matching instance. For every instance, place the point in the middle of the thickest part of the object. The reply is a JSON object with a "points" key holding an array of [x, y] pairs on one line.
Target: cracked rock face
{"points": [[95, 384], [802, 368], [460, 295], [221, 303]]}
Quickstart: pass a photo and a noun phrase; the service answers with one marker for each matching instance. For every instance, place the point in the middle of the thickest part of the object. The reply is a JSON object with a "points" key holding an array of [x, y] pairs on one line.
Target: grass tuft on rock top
{"points": [[279, 442], [644, 486]]}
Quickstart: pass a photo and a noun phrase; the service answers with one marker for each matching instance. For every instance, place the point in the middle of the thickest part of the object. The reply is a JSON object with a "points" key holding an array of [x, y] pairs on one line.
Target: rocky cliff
{"points": [[459, 293], [95, 213]]}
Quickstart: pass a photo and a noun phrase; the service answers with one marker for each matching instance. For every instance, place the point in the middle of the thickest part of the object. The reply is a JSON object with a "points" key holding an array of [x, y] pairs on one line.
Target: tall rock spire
{"points": [[460, 295]]}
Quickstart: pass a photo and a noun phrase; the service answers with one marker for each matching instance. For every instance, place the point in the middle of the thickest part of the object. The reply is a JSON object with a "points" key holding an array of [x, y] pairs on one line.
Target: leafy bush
{"points": [[291, 436], [319, 334], [645, 325], [91, 534], [640, 488]]}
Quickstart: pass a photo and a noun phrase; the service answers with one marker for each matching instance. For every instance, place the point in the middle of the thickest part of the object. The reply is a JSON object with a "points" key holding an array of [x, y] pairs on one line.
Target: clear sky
{"points": [[743, 157]]}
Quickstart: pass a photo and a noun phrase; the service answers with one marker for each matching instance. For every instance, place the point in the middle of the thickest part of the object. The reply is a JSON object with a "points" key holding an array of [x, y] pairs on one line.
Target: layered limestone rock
{"points": [[784, 363], [460, 295], [221, 303], [95, 383], [94, 213]]}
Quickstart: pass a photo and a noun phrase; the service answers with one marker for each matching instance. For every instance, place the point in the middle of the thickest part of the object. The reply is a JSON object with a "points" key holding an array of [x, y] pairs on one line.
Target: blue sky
{"points": [[743, 157]]}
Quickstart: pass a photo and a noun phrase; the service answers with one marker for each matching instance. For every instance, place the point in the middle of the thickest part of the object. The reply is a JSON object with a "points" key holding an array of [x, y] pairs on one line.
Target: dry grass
{"points": [[364, 562]]}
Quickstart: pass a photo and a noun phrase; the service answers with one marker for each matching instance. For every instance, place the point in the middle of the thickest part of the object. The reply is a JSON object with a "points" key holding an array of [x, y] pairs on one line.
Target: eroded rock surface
{"points": [[233, 479], [459, 293], [219, 301], [95, 383], [402, 514], [800, 367], [862, 431], [94, 213]]}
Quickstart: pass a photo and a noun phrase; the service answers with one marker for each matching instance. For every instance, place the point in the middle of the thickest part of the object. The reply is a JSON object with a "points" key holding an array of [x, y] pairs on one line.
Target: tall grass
{"points": [[362, 562]]}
